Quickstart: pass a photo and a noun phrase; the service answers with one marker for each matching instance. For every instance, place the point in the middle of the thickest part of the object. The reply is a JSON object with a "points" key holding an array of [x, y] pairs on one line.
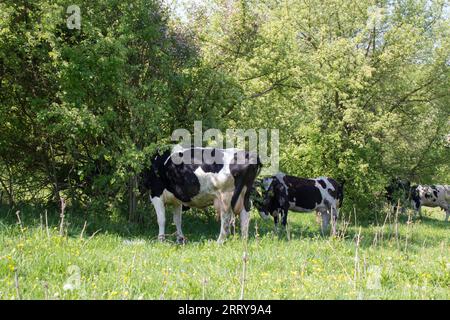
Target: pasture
{"points": [[404, 259], [95, 94]]}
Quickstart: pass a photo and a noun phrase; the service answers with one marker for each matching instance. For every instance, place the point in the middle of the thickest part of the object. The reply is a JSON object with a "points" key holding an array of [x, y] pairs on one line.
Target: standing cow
{"points": [[204, 177], [282, 193], [431, 196]]}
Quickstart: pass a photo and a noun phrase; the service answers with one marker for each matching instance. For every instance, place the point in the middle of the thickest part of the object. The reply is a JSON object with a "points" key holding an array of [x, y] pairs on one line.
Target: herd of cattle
{"points": [[231, 186]]}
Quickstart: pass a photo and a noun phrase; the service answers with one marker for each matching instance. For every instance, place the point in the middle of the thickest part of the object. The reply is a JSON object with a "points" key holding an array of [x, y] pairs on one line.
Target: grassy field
{"points": [[123, 261]]}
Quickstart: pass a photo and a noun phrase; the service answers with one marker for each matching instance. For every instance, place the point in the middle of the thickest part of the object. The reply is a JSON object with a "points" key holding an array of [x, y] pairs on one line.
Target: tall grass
{"points": [[402, 258]]}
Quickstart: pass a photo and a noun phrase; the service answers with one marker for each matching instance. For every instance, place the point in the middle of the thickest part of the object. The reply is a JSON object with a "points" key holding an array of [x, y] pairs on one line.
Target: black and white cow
{"points": [[431, 196], [210, 176], [282, 193], [418, 195]]}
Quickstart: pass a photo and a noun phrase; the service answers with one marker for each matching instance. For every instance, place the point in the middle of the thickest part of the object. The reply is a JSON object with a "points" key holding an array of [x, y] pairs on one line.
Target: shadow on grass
{"points": [[436, 223], [198, 225]]}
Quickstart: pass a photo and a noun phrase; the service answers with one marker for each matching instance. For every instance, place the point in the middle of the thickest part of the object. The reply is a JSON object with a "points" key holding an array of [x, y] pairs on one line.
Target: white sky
{"points": [[178, 7]]}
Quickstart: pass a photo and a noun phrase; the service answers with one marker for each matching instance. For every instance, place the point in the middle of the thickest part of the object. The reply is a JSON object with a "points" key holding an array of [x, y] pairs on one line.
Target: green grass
{"points": [[124, 261]]}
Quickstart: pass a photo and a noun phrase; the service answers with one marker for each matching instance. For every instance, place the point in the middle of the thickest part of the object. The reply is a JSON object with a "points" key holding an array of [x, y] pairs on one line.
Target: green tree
{"points": [[85, 108], [359, 91]]}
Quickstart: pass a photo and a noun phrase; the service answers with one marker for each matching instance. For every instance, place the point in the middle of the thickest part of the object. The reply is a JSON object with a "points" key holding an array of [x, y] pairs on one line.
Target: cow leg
{"points": [[334, 216], [224, 212], [158, 204], [284, 215], [245, 220], [225, 219], [275, 221], [325, 220], [447, 212], [233, 224], [177, 220], [419, 210], [416, 208]]}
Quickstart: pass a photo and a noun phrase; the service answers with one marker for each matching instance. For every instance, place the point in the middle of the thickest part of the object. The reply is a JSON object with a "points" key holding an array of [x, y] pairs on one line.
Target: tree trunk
{"points": [[7, 187], [56, 193], [132, 200], [8, 190]]}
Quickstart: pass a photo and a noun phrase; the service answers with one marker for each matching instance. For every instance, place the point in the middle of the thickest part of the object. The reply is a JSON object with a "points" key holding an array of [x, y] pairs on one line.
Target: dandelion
{"points": [[114, 293]]}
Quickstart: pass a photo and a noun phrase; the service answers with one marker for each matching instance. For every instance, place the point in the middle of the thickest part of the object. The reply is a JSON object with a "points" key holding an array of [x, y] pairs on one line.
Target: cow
{"points": [[282, 193], [431, 196], [418, 195], [203, 177]]}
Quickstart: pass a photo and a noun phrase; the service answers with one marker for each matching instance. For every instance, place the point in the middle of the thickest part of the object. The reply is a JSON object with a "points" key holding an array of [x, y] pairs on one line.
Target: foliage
{"points": [[358, 91], [85, 108]]}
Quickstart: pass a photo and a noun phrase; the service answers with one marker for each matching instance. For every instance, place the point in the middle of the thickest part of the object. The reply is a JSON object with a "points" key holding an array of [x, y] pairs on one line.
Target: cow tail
{"points": [[247, 181], [236, 194], [259, 166]]}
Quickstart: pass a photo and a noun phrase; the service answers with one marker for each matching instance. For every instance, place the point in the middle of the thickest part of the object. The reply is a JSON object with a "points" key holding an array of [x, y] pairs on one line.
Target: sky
{"points": [[178, 7]]}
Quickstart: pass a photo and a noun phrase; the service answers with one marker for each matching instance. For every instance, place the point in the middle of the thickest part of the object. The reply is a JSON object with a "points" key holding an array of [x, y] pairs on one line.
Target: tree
{"points": [[359, 91], [86, 108]]}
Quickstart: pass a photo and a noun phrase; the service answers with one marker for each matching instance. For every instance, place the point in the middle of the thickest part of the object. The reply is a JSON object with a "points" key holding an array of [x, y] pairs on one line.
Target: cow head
{"points": [[257, 197], [270, 194]]}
